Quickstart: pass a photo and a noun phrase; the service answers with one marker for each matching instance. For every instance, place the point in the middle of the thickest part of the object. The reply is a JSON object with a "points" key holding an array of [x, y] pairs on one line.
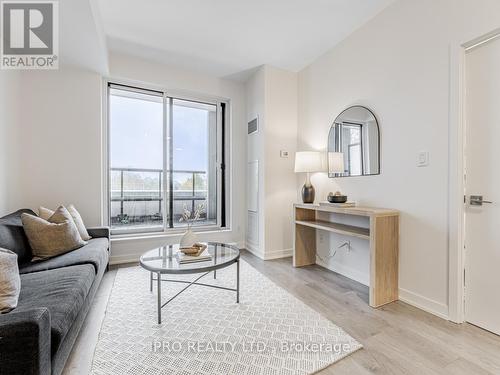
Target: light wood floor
{"points": [[397, 338]]}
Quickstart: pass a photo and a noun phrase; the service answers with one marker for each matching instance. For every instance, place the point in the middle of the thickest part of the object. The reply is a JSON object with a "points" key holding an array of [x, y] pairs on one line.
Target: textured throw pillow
{"points": [[10, 282], [46, 213], [79, 223], [50, 239]]}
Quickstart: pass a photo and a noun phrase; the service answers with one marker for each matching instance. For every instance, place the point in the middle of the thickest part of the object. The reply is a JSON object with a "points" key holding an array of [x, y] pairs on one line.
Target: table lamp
{"points": [[308, 162]]}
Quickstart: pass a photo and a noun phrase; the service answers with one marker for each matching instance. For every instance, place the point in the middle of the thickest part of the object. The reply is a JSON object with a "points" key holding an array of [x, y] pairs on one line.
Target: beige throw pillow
{"points": [[79, 223], [49, 239], [10, 282], [46, 213], [60, 215]]}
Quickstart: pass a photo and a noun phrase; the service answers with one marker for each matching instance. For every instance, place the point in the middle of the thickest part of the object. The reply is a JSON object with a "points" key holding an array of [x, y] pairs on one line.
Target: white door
{"points": [[482, 219]]}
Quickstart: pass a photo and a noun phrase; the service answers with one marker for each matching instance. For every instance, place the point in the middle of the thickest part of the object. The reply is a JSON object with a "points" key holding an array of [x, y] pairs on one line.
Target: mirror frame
{"points": [[338, 175]]}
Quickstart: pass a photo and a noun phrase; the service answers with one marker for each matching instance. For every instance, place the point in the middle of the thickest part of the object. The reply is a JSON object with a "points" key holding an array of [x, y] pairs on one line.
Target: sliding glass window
{"points": [[166, 155]]}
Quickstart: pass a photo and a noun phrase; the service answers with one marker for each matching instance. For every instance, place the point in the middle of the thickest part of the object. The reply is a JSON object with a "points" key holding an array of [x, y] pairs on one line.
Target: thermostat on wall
{"points": [[423, 159], [283, 153]]}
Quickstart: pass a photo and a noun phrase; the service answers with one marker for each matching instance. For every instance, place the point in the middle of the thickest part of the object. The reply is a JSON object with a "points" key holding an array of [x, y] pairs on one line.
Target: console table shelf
{"points": [[349, 230], [382, 234]]}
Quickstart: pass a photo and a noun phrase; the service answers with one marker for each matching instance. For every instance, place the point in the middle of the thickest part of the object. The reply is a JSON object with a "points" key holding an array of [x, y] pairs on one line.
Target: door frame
{"points": [[456, 173]]}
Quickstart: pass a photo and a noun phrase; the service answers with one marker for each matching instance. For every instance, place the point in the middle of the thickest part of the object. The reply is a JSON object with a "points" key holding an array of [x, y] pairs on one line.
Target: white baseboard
{"points": [[424, 303], [277, 254], [254, 250], [122, 259]]}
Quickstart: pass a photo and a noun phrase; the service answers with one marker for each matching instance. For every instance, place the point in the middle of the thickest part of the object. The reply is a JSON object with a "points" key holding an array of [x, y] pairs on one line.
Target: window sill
{"points": [[158, 235]]}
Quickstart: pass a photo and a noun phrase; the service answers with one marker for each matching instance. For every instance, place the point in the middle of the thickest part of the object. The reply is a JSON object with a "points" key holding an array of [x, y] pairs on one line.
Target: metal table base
{"points": [[159, 279]]}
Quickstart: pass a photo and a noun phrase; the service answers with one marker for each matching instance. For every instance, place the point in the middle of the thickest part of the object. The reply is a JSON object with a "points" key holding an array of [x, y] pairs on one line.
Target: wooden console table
{"points": [[382, 234]]}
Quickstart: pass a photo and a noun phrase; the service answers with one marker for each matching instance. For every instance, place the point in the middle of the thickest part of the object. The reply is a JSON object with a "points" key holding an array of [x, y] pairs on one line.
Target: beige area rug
{"points": [[205, 332]]}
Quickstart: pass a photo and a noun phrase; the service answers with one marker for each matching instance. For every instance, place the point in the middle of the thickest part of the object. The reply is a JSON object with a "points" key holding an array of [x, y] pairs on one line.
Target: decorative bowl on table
{"points": [[337, 198], [194, 250]]}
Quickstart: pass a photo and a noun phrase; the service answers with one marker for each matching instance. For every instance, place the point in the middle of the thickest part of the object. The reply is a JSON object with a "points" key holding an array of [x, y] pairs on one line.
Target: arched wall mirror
{"points": [[354, 144]]}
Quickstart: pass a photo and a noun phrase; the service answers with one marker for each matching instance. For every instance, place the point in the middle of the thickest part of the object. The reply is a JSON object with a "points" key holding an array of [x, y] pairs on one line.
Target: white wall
{"points": [[135, 69], [54, 141], [272, 96], [59, 150], [9, 103], [280, 179], [256, 108], [3, 144], [398, 65]]}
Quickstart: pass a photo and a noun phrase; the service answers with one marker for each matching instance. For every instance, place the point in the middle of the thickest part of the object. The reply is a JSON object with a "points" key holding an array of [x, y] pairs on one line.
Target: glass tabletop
{"points": [[164, 260]]}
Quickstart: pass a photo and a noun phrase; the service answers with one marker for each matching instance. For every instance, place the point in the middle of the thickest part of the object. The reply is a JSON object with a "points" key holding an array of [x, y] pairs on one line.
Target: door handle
{"points": [[477, 200]]}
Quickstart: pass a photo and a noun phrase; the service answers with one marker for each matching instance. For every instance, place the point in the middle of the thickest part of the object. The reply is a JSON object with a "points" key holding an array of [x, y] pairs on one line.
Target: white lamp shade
{"points": [[336, 162], [308, 161]]}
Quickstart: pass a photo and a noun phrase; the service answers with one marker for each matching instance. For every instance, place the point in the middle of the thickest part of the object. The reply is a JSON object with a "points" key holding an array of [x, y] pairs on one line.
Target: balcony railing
{"points": [[150, 190]]}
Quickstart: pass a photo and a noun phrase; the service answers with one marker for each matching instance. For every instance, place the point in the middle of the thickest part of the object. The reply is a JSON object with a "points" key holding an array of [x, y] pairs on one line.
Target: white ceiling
{"points": [[227, 37]]}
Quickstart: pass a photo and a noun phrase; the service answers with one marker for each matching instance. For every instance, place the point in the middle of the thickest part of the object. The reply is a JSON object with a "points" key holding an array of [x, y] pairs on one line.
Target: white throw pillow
{"points": [[79, 222], [10, 282]]}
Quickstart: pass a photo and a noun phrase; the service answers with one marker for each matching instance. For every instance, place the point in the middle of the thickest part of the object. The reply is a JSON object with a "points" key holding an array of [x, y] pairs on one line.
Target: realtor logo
{"points": [[30, 37]]}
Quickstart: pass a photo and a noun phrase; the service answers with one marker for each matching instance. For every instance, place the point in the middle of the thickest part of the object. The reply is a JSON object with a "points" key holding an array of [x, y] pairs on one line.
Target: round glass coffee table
{"points": [[163, 260]]}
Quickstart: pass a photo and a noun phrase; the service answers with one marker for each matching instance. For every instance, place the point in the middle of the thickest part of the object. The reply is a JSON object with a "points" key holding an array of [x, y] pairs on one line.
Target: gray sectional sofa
{"points": [[38, 335]]}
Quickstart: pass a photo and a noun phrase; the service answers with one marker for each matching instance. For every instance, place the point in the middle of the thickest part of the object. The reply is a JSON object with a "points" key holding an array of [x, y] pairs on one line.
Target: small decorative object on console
{"points": [[337, 197], [337, 200]]}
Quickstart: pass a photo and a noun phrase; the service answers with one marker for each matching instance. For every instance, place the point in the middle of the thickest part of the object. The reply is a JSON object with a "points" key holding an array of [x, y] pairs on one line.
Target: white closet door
{"points": [[482, 228]]}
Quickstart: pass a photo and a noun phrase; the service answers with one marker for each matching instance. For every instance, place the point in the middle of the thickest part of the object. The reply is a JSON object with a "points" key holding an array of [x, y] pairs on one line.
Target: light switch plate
{"points": [[423, 159], [284, 154]]}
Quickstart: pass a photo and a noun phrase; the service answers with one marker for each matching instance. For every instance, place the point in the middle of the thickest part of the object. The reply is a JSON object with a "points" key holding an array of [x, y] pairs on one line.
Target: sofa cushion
{"points": [[62, 291], [94, 253], [12, 236]]}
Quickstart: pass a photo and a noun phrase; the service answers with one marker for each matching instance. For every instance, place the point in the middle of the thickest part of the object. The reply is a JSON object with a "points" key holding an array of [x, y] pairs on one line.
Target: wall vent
{"points": [[252, 126]]}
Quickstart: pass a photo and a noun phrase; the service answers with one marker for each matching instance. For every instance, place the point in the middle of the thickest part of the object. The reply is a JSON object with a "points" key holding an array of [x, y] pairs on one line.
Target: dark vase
{"points": [[308, 194]]}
